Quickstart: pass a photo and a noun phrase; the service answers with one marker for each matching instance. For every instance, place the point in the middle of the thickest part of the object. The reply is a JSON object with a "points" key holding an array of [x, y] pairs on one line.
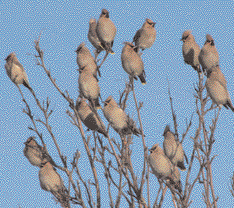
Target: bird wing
{"points": [[137, 35]]}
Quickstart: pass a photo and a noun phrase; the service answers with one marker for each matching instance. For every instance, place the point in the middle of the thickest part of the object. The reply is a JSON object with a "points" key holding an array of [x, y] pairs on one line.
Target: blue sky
{"points": [[64, 25]]}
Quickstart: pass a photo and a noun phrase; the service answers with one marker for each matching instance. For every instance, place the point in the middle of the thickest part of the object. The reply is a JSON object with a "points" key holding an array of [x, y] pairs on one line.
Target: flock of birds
{"points": [[164, 162]]}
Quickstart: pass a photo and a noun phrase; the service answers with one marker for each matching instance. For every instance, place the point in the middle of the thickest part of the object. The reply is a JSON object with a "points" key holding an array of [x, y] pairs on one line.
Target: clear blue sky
{"points": [[64, 25]]}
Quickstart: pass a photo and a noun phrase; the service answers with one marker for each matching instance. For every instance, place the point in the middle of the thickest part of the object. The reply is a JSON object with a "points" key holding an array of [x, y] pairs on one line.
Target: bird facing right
{"points": [[208, 56], [145, 36], [216, 86], [173, 149], [106, 31], [190, 50], [118, 119], [132, 62], [15, 71]]}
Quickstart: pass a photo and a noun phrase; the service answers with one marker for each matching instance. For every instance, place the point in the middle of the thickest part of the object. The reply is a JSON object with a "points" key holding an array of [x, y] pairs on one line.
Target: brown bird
{"points": [[85, 59], [15, 71], [92, 36], [175, 179], [145, 37], [190, 50], [173, 149], [216, 86], [33, 152], [89, 118], [51, 181], [132, 62], [89, 87], [160, 165], [208, 56], [118, 119], [106, 31]]}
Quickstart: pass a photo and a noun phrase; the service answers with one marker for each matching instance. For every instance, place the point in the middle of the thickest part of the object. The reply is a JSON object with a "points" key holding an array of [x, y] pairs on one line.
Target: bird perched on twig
{"points": [[190, 50], [173, 149], [162, 167], [106, 31], [216, 86], [16, 72], [208, 56], [89, 87], [51, 181], [35, 153], [92, 36], [145, 36], [85, 59], [89, 118], [118, 119], [132, 62]]}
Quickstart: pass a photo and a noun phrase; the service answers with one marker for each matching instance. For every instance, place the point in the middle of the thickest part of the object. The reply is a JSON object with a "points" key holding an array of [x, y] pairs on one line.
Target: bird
{"points": [[173, 149], [190, 50], [160, 164], [175, 179], [92, 36], [51, 181], [33, 152], [85, 59], [208, 56], [162, 167], [145, 36], [132, 62], [216, 86], [16, 72], [118, 119], [88, 86], [106, 31], [89, 118]]}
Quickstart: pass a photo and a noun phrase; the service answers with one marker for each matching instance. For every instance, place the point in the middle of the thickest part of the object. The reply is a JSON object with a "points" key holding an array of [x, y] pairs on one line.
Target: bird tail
{"points": [[142, 78], [181, 166], [132, 127], [229, 104], [62, 197], [26, 84], [108, 48]]}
